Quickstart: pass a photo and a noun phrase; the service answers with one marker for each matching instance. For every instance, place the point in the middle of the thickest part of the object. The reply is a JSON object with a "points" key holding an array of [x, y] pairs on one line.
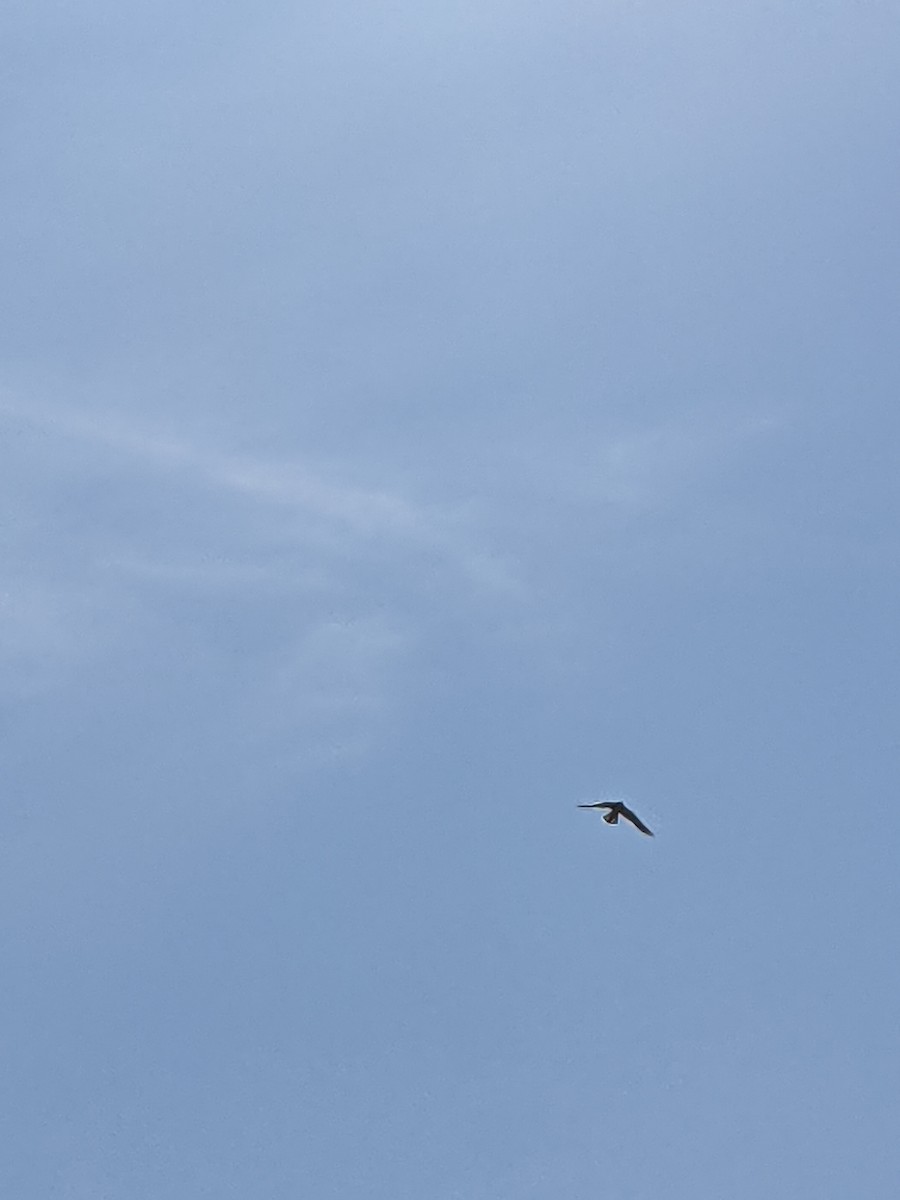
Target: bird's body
{"points": [[618, 809]]}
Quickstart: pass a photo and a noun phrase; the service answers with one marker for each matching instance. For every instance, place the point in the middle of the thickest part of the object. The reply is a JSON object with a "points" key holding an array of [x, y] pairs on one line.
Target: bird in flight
{"points": [[618, 809]]}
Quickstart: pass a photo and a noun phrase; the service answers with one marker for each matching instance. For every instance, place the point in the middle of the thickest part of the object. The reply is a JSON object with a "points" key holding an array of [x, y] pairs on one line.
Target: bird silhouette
{"points": [[618, 809]]}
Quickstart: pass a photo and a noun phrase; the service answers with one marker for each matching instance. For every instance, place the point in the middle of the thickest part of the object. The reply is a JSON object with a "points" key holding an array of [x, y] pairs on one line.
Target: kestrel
{"points": [[618, 809]]}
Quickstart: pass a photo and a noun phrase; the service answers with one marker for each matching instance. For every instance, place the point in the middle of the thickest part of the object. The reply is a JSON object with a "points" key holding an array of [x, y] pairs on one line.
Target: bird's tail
{"points": [[611, 818]]}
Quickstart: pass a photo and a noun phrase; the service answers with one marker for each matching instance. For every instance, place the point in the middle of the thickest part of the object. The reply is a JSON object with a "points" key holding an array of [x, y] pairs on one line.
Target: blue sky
{"points": [[412, 424]]}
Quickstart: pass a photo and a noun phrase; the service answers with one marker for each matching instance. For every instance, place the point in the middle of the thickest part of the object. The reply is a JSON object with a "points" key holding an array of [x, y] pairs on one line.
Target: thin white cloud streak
{"points": [[644, 469], [640, 470], [327, 655], [363, 513], [336, 535]]}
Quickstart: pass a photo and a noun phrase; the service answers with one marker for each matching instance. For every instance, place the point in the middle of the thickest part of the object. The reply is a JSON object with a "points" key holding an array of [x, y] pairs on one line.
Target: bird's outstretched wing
{"points": [[599, 804], [635, 820]]}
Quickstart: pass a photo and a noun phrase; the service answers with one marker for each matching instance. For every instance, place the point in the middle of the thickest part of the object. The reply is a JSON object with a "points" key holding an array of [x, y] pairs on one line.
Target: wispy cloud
{"points": [[638, 470], [313, 584], [328, 582], [367, 514]]}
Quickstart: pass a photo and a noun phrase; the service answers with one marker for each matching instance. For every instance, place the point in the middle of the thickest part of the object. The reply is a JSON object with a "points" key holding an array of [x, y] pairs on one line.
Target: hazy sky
{"points": [[415, 420]]}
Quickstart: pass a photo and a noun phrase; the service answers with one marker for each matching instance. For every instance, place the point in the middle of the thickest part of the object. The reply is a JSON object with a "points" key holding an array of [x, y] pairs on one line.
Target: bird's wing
{"points": [[599, 804], [636, 821]]}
